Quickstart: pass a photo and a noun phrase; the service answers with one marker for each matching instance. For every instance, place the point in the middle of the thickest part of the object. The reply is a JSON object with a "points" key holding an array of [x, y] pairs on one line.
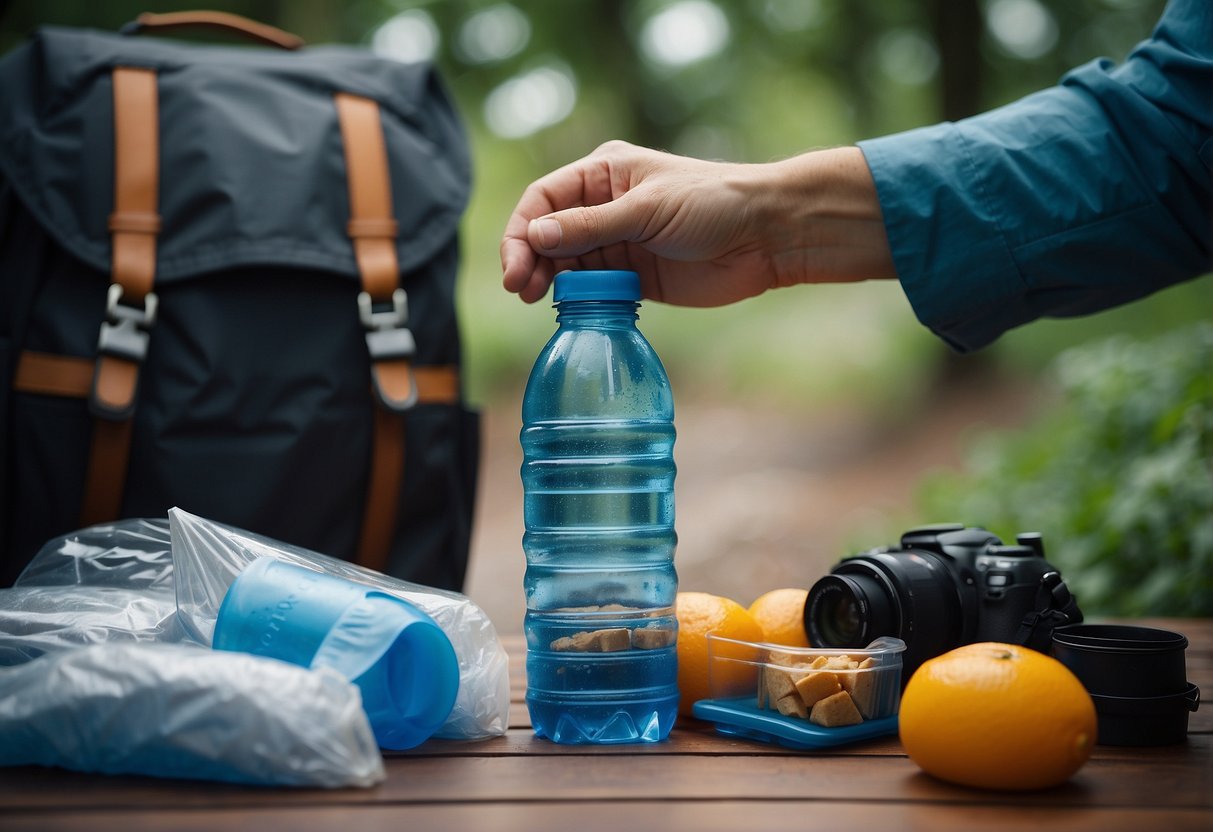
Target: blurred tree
{"points": [[967, 54], [957, 27]]}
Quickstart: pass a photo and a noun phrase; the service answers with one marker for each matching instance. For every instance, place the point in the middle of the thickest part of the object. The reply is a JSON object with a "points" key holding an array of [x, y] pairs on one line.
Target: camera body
{"points": [[942, 587]]}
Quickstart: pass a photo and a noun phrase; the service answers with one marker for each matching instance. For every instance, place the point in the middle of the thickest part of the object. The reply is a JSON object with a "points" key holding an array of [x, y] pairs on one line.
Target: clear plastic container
{"points": [[598, 480], [803, 697]]}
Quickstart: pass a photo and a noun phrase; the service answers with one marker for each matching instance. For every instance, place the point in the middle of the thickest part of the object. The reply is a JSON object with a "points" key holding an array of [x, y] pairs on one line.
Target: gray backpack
{"points": [[227, 283]]}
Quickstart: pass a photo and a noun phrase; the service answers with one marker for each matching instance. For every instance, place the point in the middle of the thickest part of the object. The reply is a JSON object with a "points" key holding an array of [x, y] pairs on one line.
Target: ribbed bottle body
{"points": [[598, 482]]}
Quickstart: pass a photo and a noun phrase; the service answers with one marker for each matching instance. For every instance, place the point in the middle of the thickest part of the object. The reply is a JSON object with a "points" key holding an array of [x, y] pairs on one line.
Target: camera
{"points": [[943, 586]]}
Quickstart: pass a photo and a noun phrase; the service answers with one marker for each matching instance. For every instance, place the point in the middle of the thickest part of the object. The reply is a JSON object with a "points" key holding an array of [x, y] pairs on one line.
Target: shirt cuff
{"points": [[952, 259]]}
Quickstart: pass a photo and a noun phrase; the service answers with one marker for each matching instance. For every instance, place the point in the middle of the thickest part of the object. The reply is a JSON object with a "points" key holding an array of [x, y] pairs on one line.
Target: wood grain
{"points": [[1178, 778], [706, 816]]}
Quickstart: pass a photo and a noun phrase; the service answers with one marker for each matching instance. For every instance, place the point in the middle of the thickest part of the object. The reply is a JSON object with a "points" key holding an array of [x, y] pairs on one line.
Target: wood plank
{"points": [[707, 816], [1178, 778]]}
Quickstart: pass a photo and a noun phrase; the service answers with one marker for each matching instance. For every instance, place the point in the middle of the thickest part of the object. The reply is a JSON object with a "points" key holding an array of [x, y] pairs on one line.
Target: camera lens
{"points": [[911, 595], [840, 619], [848, 611]]}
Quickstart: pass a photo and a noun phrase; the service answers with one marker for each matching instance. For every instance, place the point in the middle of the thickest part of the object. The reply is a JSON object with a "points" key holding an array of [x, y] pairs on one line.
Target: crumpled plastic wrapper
{"points": [[184, 711]]}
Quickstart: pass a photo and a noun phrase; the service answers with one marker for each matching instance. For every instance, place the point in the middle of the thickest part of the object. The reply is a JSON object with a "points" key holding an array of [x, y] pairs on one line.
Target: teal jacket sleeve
{"points": [[1087, 195]]}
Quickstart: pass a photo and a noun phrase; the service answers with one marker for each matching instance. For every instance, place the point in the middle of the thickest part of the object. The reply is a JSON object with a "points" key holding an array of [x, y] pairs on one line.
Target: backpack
{"points": [[227, 283]]}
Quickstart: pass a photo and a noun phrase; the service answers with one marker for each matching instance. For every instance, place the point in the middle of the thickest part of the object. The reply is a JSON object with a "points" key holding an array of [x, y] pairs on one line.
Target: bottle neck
{"points": [[612, 313]]}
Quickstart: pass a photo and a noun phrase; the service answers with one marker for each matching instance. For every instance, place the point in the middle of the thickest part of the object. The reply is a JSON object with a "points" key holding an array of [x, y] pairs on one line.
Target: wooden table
{"points": [[697, 780]]}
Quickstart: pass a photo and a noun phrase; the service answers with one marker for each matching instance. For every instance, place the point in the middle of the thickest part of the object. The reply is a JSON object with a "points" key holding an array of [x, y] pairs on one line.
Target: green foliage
{"points": [[1119, 476]]}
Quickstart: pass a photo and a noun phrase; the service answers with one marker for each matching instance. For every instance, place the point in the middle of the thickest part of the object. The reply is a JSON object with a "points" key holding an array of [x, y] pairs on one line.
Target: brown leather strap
{"points": [[372, 224], [116, 383], [394, 380], [135, 221], [133, 225], [383, 489], [54, 375], [105, 478], [222, 21], [373, 229], [71, 376]]}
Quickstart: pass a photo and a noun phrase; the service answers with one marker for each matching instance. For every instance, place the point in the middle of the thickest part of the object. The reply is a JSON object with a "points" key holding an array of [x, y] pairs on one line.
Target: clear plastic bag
{"points": [[208, 556], [164, 580], [130, 554], [184, 711], [107, 583]]}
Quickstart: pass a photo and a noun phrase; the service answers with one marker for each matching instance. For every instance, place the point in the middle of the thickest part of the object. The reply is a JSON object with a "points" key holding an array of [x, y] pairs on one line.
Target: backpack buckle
{"points": [[121, 348], [391, 347], [124, 330]]}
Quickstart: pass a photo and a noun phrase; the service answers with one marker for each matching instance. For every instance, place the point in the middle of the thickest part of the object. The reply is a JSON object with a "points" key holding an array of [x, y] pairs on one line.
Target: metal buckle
{"points": [[124, 335], [124, 331], [387, 337]]}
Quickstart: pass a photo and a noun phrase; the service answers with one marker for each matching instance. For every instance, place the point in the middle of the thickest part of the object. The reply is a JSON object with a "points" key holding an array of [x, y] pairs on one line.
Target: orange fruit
{"points": [[780, 614], [699, 614], [997, 716]]}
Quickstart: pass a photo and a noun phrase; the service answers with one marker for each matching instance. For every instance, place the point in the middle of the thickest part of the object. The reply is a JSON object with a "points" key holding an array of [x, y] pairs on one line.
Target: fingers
{"points": [[561, 216], [519, 263], [537, 283]]}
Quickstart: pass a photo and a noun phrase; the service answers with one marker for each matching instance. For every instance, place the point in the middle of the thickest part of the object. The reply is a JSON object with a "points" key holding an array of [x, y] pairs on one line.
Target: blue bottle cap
{"points": [[596, 285]]}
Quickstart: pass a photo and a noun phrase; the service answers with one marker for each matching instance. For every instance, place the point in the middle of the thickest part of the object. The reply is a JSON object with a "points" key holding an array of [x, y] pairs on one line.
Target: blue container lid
{"points": [[597, 285], [739, 716], [401, 660]]}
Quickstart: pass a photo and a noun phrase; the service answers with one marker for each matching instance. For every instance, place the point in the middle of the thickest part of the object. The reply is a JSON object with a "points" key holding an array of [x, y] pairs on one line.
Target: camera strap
{"points": [[1055, 607]]}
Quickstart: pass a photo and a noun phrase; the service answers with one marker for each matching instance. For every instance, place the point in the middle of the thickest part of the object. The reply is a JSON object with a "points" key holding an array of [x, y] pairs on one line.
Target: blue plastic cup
{"points": [[401, 660]]}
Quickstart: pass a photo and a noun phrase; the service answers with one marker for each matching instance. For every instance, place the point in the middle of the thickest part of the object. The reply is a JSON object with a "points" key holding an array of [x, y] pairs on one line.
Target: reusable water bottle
{"points": [[598, 478]]}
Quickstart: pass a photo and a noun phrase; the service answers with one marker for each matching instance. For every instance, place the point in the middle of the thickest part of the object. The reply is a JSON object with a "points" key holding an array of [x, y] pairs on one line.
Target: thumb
{"points": [[575, 231]]}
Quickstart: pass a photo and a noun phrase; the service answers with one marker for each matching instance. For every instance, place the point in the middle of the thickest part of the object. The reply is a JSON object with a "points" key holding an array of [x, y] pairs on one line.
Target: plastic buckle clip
{"points": [[124, 333], [386, 334], [121, 349], [389, 340]]}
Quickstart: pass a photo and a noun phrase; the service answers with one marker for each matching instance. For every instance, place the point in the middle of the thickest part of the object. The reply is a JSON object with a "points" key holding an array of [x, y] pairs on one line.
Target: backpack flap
{"points": [[251, 162]]}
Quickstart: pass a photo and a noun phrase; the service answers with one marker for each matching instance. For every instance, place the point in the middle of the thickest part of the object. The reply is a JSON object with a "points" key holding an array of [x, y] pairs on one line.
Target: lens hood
{"points": [[1136, 678], [1122, 660]]}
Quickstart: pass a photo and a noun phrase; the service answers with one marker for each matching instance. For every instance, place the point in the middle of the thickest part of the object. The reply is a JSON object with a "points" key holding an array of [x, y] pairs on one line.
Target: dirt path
{"points": [[764, 498]]}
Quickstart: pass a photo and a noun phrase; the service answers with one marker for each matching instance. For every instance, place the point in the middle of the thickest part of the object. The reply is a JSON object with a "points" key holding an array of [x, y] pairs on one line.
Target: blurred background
{"points": [[813, 421]]}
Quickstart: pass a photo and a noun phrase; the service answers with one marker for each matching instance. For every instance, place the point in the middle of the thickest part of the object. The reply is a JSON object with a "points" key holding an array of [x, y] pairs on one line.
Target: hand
{"points": [[698, 233]]}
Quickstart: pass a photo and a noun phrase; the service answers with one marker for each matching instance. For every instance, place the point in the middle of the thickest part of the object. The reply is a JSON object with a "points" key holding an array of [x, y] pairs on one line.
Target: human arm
{"points": [[699, 233], [1087, 195]]}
